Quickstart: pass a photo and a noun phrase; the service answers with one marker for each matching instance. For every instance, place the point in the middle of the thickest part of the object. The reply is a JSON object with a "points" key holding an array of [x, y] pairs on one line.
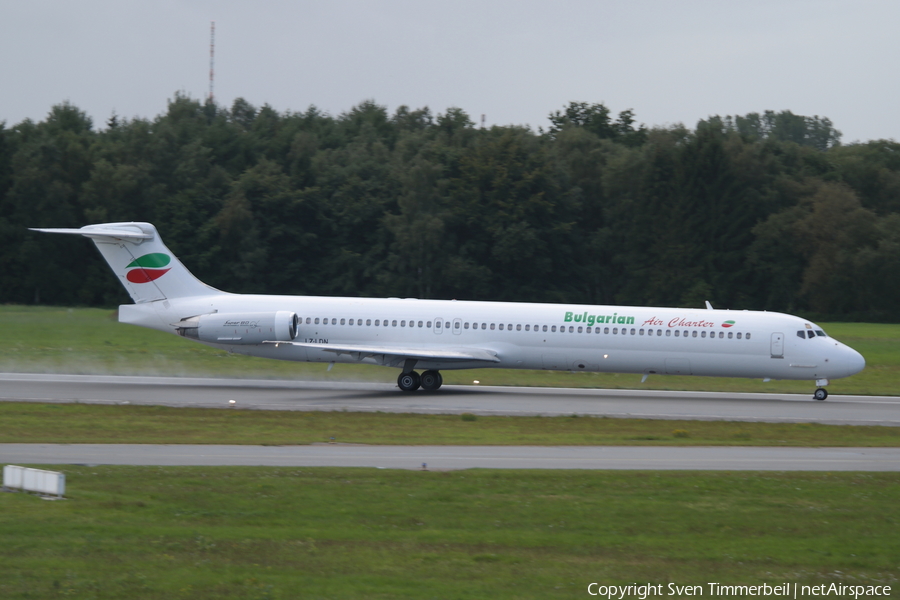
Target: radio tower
{"points": [[212, 55]]}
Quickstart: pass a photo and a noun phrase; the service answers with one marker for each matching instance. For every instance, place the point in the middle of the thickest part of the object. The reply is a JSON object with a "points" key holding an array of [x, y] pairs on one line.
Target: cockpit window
{"points": [[821, 333], [802, 334], [810, 334]]}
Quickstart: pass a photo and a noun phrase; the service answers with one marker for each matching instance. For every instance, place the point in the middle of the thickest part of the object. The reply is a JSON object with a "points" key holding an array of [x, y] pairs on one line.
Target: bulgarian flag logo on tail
{"points": [[727, 323], [148, 267]]}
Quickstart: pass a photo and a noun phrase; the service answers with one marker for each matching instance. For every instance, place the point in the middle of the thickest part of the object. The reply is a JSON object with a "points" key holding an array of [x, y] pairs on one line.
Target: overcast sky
{"points": [[513, 61]]}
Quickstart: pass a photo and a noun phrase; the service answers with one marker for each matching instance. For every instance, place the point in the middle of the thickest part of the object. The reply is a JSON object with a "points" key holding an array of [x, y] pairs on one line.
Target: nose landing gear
{"points": [[821, 393], [428, 381]]}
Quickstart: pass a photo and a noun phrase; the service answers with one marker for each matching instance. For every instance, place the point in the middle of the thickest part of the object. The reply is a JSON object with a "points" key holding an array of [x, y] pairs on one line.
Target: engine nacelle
{"points": [[241, 328]]}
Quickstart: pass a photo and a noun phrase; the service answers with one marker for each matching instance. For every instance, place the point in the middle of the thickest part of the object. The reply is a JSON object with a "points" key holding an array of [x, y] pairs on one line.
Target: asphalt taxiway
{"points": [[462, 457], [482, 400]]}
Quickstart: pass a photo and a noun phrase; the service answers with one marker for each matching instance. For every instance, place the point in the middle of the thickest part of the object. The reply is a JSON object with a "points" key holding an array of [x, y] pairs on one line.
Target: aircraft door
{"points": [[777, 345], [457, 326], [439, 325]]}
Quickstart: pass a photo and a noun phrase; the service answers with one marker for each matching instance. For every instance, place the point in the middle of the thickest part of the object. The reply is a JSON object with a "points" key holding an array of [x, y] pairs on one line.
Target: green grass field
{"points": [[91, 341], [285, 533], [26, 422]]}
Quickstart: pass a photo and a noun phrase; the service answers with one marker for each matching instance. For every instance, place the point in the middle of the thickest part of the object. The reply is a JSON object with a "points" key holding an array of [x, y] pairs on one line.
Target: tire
{"points": [[431, 380], [408, 382], [820, 394]]}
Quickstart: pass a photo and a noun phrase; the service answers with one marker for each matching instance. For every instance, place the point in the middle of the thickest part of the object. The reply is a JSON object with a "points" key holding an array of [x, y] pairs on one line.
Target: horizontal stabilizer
{"points": [[361, 351], [124, 233]]}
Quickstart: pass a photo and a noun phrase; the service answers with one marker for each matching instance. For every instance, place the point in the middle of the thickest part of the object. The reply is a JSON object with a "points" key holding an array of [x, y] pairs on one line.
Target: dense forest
{"points": [[763, 211]]}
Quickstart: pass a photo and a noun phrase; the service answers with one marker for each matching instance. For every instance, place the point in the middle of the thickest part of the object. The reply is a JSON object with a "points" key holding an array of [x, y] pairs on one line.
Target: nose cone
{"points": [[850, 361], [856, 362]]}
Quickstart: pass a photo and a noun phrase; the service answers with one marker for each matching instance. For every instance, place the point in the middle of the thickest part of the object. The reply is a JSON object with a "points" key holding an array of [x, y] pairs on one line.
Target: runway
{"points": [[481, 400], [442, 458]]}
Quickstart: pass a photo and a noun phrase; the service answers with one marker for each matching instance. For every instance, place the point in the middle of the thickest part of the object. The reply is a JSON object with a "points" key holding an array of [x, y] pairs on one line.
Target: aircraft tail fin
{"points": [[144, 265]]}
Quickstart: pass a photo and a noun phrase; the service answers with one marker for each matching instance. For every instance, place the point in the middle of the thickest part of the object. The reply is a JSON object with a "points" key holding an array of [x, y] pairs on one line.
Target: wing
{"points": [[361, 351]]}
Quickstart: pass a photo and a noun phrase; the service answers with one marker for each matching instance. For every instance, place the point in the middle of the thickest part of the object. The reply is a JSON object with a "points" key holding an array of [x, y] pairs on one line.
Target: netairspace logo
{"points": [[148, 267], [718, 590]]}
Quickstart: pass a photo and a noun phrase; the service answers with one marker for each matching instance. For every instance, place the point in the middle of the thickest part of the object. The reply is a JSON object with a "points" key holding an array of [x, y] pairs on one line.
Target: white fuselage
{"points": [[618, 339]]}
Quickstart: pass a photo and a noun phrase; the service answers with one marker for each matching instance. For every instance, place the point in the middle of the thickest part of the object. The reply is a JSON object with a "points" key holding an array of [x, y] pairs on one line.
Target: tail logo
{"points": [[148, 267]]}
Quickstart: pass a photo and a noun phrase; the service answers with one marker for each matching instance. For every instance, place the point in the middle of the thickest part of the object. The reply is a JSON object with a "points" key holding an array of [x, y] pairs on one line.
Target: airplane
{"points": [[435, 335]]}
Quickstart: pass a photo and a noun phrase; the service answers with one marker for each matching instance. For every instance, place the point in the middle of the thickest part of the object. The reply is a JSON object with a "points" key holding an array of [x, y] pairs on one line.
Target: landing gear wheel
{"points": [[820, 394], [409, 382], [431, 380]]}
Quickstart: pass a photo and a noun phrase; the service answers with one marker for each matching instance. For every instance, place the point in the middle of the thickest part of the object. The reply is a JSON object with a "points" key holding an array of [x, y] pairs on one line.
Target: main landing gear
{"points": [[428, 381]]}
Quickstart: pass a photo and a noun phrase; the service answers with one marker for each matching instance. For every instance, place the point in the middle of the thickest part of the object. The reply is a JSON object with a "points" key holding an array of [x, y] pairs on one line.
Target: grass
{"points": [[25, 422], [283, 533], [91, 341]]}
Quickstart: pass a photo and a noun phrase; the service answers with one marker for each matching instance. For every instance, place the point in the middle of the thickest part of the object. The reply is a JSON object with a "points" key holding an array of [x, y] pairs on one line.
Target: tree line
{"points": [[762, 211]]}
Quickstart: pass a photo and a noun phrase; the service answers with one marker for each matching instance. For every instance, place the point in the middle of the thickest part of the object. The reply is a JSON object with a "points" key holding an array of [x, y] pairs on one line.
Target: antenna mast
{"points": [[212, 55]]}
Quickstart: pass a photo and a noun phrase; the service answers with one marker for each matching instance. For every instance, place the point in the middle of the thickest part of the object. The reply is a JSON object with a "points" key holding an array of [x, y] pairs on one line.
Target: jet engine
{"points": [[241, 328]]}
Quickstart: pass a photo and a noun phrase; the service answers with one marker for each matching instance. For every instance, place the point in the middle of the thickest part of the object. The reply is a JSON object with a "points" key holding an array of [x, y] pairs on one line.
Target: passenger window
{"points": [[456, 325], [641, 332], [402, 323], [528, 328], [658, 332], [377, 322], [730, 335], [693, 334], [545, 328], [571, 329], [721, 334], [703, 334], [317, 320], [579, 329], [334, 321], [501, 327], [484, 325], [492, 326], [466, 325], [437, 324], [669, 333], [368, 321], [552, 329], [394, 323], [420, 323], [519, 327], [615, 330], [587, 330], [747, 336], [428, 324], [739, 336], [632, 331], [677, 333], [342, 321], [606, 330]]}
